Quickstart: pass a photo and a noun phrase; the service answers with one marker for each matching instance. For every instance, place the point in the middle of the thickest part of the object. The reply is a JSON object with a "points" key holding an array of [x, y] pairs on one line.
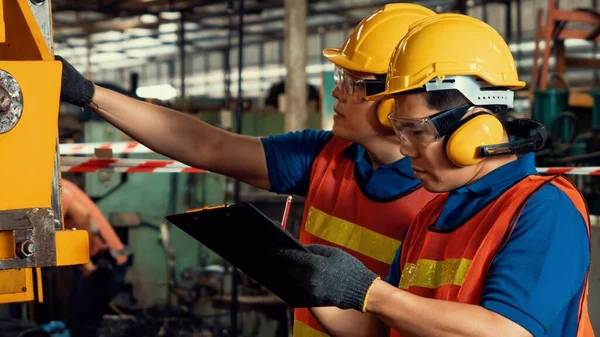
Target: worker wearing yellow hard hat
{"points": [[361, 193], [362, 158], [502, 251]]}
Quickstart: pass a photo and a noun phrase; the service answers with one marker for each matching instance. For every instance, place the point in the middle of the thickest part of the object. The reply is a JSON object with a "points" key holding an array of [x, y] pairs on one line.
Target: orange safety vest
{"points": [[452, 265], [338, 214]]}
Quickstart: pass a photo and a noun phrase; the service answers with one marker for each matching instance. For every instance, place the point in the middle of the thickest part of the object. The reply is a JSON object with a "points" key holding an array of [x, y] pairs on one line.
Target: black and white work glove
{"points": [[329, 276], [75, 88]]}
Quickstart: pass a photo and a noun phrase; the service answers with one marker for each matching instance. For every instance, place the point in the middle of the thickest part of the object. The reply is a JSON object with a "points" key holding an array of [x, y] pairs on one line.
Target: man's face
{"points": [[355, 119], [429, 160]]}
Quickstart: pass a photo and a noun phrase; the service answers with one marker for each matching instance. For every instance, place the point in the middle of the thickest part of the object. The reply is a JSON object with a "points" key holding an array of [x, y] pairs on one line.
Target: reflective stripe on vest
{"points": [[451, 264], [352, 236], [338, 214]]}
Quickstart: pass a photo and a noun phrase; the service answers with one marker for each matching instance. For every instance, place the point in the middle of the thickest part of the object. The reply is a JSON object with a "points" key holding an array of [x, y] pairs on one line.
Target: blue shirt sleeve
{"points": [[542, 267], [290, 157], [393, 277], [394, 273]]}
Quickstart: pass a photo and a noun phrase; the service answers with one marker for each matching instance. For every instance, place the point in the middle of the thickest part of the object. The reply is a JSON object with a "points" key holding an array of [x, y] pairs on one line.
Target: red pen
{"points": [[286, 211]]}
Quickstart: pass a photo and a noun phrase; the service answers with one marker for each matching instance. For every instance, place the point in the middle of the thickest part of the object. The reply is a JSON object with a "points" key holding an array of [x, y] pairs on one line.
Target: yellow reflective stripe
{"points": [[303, 330], [352, 236], [434, 274]]}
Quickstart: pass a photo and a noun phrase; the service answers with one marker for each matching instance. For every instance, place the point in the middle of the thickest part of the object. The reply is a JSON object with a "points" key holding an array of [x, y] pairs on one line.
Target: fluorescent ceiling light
{"points": [[254, 28], [191, 25], [206, 34], [77, 41], [150, 52], [161, 50], [123, 63], [217, 20], [163, 92], [139, 31], [109, 47], [148, 18], [142, 42], [106, 57], [168, 28], [139, 53], [112, 35], [167, 15], [171, 37]]}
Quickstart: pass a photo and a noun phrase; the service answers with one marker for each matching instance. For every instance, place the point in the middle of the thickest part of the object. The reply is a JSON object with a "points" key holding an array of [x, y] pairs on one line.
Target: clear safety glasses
{"points": [[354, 89], [424, 131]]}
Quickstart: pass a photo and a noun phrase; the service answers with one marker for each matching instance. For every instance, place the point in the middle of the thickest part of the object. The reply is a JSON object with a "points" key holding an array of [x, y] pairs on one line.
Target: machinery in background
{"points": [[567, 111], [32, 233]]}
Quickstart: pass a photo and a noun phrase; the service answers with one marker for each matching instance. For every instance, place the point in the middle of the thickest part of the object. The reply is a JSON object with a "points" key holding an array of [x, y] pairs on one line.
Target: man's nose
{"points": [[338, 94]]}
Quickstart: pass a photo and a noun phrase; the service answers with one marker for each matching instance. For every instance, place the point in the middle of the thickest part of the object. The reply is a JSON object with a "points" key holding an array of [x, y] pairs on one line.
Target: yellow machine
{"points": [[32, 233]]}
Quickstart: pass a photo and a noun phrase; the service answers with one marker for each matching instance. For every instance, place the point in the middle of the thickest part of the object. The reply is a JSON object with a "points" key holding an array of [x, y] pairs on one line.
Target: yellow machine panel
{"points": [[30, 145], [32, 233], [20, 285]]}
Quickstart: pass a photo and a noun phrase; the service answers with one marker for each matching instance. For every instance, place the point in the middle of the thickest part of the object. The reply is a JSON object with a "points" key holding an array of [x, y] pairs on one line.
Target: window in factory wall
{"points": [[198, 62], [233, 58], [335, 38], [215, 60], [271, 50], [313, 46], [251, 55]]}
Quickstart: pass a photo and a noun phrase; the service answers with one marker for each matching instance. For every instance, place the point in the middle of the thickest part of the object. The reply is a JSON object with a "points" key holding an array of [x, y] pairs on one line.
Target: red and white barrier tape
{"points": [[585, 171], [96, 169], [79, 164], [120, 162], [116, 147]]}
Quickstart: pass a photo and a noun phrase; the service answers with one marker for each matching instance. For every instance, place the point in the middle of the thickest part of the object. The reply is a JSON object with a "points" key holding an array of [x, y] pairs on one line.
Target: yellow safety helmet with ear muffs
{"points": [[372, 42], [458, 52]]}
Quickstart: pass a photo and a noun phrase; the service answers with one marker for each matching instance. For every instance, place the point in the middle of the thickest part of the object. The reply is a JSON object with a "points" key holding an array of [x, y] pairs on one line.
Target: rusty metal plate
{"points": [[34, 237]]}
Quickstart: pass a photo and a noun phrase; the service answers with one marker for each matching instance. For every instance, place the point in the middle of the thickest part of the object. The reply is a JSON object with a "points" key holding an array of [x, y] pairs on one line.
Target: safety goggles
{"points": [[424, 131], [355, 89]]}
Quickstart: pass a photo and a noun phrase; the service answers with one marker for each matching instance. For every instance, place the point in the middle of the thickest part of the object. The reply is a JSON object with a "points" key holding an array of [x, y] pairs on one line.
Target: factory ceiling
{"points": [[126, 30]]}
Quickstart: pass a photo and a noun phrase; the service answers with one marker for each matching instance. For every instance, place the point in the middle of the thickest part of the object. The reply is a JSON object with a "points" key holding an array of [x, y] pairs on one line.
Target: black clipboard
{"points": [[246, 238]]}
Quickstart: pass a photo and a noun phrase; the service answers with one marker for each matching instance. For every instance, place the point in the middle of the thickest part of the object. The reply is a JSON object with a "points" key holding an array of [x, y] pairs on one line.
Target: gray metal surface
{"points": [[56, 189], [41, 11], [11, 116], [33, 231]]}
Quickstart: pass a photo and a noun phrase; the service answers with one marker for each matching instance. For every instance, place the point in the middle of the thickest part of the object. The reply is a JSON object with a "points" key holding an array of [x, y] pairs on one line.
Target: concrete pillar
{"points": [[295, 56]]}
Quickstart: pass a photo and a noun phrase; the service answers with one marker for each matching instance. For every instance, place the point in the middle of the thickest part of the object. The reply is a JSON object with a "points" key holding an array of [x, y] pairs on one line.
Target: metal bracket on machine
{"points": [[34, 238]]}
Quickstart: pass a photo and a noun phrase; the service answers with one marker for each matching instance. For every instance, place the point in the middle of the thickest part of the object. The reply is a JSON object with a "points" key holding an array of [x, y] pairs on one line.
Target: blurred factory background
{"points": [[185, 54]]}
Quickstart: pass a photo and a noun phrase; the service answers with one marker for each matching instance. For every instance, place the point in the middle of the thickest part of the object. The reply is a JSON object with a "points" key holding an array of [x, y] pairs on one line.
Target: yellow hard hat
{"points": [[448, 45], [372, 42]]}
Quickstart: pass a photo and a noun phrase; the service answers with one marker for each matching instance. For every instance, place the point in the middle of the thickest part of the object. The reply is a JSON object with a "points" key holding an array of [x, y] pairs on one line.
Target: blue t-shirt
{"points": [[290, 157], [536, 280]]}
